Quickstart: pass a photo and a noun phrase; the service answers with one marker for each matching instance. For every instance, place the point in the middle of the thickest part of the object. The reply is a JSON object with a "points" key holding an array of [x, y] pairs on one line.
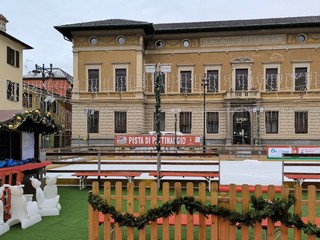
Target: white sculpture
{"points": [[46, 206], [23, 211], [51, 189], [4, 227]]}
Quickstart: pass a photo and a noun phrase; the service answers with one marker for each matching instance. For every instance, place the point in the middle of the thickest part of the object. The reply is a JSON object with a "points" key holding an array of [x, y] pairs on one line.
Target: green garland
{"points": [[276, 210], [32, 121]]}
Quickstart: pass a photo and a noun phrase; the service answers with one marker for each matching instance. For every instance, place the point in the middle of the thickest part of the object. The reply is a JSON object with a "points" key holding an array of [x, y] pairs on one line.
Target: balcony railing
{"points": [[242, 94]]}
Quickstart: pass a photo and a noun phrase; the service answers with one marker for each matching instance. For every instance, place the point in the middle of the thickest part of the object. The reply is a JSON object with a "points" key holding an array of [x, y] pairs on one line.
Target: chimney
{"points": [[3, 23]]}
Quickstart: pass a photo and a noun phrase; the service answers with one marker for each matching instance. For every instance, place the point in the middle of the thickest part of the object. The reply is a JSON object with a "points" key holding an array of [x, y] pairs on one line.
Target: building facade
{"points": [[11, 68], [251, 82]]}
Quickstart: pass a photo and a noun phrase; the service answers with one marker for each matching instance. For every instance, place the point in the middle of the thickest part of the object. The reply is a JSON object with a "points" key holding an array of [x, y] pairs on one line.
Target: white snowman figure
{"points": [[51, 189], [46, 206], [22, 211]]}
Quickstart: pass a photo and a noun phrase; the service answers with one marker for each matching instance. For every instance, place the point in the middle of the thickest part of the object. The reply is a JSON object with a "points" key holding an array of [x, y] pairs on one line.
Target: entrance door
{"points": [[241, 128]]}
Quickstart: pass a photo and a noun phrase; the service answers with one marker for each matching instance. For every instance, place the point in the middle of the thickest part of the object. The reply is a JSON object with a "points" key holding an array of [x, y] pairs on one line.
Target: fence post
{"points": [[311, 207], [177, 194], [93, 216], [142, 207], [283, 228], [130, 207], [297, 208], [214, 219], [245, 209], [202, 219], [190, 226], [257, 225], [270, 224], [154, 204], [165, 198], [107, 225], [223, 223], [232, 207], [119, 200]]}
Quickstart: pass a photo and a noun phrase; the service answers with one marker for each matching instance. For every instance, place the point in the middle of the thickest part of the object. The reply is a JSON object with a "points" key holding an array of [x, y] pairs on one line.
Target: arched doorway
{"points": [[241, 128]]}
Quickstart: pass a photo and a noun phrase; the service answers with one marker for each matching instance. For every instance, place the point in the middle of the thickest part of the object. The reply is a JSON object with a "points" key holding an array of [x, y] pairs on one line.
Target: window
{"points": [[51, 104], [271, 79], [301, 38], [241, 79], [213, 80], [185, 122], [48, 104], [13, 57], [300, 76], [43, 104], [162, 82], [212, 122], [27, 100], [121, 40], [93, 80], [159, 44], [120, 122], [185, 81], [301, 122], [121, 79], [272, 121], [162, 119], [93, 41], [92, 121], [186, 43], [13, 91]]}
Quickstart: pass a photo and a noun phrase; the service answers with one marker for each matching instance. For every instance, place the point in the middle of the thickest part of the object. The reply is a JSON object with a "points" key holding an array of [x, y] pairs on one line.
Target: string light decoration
{"points": [[277, 83], [32, 121]]}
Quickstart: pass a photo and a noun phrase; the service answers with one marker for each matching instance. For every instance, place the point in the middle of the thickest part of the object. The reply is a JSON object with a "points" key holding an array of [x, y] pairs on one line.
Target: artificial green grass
{"points": [[71, 224]]}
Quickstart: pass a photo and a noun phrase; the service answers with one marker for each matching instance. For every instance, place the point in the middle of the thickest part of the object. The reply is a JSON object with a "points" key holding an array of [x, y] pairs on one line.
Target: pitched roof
{"points": [[104, 24], [24, 45], [189, 27], [3, 18], [232, 25], [58, 73]]}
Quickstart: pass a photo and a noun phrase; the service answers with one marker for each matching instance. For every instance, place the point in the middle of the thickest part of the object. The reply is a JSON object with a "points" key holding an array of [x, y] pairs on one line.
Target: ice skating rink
{"points": [[250, 172]]}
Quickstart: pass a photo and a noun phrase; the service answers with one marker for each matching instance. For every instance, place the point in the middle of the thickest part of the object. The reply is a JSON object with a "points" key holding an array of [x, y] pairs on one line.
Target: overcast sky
{"points": [[33, 21]]}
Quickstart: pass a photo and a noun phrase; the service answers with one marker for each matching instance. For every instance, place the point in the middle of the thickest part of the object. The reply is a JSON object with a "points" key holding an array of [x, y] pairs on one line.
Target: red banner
{"points": [[150, 140]]}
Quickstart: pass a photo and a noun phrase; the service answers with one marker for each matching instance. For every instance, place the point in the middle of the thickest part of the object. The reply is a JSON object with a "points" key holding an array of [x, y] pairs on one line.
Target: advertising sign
{"points": [[276, 152], [150, 140], [309, 149]]}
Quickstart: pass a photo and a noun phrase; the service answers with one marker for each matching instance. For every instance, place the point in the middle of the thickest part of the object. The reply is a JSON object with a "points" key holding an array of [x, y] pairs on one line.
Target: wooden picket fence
{"points": [[135, 200]]}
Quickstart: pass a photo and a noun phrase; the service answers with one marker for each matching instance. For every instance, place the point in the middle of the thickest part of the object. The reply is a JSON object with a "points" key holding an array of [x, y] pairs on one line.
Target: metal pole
{"points": [[204, 113], [158, 105], [258, 126], [175, 127]]}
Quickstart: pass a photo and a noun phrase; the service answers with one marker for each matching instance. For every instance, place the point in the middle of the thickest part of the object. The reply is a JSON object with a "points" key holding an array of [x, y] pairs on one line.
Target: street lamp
{"points": [[157, 69], [43, 70], [38, 69], [204, 84]]}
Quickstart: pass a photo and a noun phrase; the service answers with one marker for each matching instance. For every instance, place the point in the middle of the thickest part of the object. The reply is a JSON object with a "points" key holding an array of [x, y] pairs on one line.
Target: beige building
{"points": [[235, 82], [10, 72]]}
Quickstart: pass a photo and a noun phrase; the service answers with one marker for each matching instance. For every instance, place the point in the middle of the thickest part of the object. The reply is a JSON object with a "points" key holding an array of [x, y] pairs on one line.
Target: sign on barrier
{"points": [[275, 152], [150, 140], [308, 149]]}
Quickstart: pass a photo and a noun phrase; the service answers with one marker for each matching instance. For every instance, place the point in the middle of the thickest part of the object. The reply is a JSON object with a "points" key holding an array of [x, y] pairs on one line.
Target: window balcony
{"points": [[242, 94]]}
